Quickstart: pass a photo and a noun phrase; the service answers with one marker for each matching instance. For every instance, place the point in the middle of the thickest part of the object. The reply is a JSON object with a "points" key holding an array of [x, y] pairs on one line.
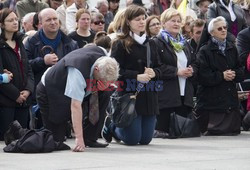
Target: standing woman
{"points": [[153, 26], [83, 35], [14, 96], [113, 6], [178, 60], [130, 51]]}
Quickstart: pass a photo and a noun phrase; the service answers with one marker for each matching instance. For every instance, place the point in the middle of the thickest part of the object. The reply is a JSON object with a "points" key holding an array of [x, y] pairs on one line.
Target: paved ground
{"points": [[204, 153]]}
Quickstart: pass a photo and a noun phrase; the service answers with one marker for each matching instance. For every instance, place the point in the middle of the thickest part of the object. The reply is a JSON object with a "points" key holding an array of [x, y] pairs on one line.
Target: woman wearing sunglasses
{"points": [[219, 71]]}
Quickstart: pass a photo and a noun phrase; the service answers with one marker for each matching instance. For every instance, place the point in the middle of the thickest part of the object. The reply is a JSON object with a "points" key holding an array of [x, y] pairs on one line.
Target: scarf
{"points": [[177, 43], [137, 38], [221, 44], [51, 42]]}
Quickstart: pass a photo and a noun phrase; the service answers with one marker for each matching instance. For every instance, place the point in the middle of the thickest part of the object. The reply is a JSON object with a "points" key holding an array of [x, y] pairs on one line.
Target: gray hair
{"points": [[101, 2], [108, 68], [213, 21], [28, 16]]}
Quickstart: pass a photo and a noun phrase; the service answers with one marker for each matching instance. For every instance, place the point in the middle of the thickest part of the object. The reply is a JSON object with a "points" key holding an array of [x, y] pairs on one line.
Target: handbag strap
{"points": [[141, 85]]}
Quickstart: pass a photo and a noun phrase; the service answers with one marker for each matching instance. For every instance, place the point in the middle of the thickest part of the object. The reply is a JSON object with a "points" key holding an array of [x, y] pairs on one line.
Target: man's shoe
{"points": [[14, 132], [106, 131], [95, 144]]}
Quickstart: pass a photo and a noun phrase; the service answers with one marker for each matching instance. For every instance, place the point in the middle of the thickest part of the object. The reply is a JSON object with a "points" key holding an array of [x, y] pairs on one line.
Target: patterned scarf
{"points": [[221, 44], [177, 43]]}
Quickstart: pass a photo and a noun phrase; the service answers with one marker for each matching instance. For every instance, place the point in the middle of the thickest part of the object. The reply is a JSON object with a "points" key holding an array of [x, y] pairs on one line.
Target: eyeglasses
{"points": [[155, 24], [99, 22], [220, 28]]}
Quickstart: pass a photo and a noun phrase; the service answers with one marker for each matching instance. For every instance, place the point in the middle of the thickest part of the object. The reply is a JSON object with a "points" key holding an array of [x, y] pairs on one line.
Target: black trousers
{"points": [[9, 114], [163, 119], [90, 132]]}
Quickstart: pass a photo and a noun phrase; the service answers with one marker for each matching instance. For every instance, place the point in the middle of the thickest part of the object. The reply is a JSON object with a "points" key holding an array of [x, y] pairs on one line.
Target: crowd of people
{"points": [[61, 56]]}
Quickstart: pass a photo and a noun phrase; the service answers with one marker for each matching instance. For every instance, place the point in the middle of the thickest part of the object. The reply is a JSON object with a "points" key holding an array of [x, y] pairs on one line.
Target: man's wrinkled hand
{"points": [[80, 146]]}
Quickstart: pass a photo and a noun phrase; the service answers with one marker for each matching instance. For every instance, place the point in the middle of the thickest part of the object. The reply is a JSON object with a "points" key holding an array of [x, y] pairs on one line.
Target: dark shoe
{"points": [[14, 132], [106, 131], [160, 134], [95, 144]]}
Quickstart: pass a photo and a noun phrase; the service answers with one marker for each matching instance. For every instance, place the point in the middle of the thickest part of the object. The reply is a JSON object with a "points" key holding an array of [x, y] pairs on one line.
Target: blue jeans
{"points": [[140, 131]]}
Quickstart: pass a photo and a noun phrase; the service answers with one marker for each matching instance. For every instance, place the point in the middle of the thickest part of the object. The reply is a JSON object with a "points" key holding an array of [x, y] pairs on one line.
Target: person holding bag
{"points": [[178, 62], [130, 51]]}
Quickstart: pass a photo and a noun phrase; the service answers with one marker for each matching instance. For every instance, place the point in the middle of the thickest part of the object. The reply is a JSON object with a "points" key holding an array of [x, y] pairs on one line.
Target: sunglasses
{"points": [[99, 22], [221, 28], [155, 24]]}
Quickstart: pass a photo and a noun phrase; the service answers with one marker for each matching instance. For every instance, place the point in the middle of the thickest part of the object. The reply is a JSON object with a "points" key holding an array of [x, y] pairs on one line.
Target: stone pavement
{"points": [[204, 153]]}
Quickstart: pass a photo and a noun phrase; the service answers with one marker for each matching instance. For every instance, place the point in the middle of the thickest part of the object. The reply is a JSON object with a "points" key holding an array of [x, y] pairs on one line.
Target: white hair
{"points": [[108, 68], [101, 2], [28, 16], [213, 21]]}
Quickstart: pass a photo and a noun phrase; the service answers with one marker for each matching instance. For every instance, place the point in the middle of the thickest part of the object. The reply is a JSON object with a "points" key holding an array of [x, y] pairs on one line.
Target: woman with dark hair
{"points": [[130, 51], [153, 25], [219, 70], [113, 6], [15, 97]]}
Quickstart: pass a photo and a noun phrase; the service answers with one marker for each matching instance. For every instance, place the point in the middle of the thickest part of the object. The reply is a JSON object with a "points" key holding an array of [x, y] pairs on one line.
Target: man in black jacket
{"points": [[67, 90], [47, 46]]}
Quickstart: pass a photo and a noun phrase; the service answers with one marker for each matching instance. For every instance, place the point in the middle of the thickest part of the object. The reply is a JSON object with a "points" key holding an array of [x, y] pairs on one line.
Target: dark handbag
{"points": [[121, 108], [183, 127]]}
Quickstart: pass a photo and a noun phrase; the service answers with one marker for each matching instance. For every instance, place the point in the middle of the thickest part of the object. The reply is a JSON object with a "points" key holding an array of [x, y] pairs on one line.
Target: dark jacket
{"points": [[33, 47], [132, 64], [214, 92], [8, 60], [36, 142], [170, 96], [217, 9], [243, 46]]}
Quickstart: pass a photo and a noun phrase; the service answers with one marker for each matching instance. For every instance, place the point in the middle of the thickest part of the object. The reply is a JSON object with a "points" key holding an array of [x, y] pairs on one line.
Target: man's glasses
{"points": [[221, 28], [99, 22], [155, 24]]}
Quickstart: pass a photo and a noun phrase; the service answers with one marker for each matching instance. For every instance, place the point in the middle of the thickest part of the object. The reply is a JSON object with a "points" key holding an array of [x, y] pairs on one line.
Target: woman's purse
{"points": [[121, 108]]}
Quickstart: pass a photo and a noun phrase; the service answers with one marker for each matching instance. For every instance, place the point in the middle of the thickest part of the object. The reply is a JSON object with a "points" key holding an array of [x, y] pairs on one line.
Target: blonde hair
{"points": [[168, 14], [118, 19]]}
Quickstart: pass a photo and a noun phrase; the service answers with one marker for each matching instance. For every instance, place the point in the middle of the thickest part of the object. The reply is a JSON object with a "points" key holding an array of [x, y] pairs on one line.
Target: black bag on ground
{"points": [[35, 142], [182, 127]]}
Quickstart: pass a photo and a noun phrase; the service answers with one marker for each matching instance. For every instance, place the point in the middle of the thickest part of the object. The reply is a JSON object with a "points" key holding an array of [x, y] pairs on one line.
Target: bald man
{"points": [[56, 44], [47, 47]]}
